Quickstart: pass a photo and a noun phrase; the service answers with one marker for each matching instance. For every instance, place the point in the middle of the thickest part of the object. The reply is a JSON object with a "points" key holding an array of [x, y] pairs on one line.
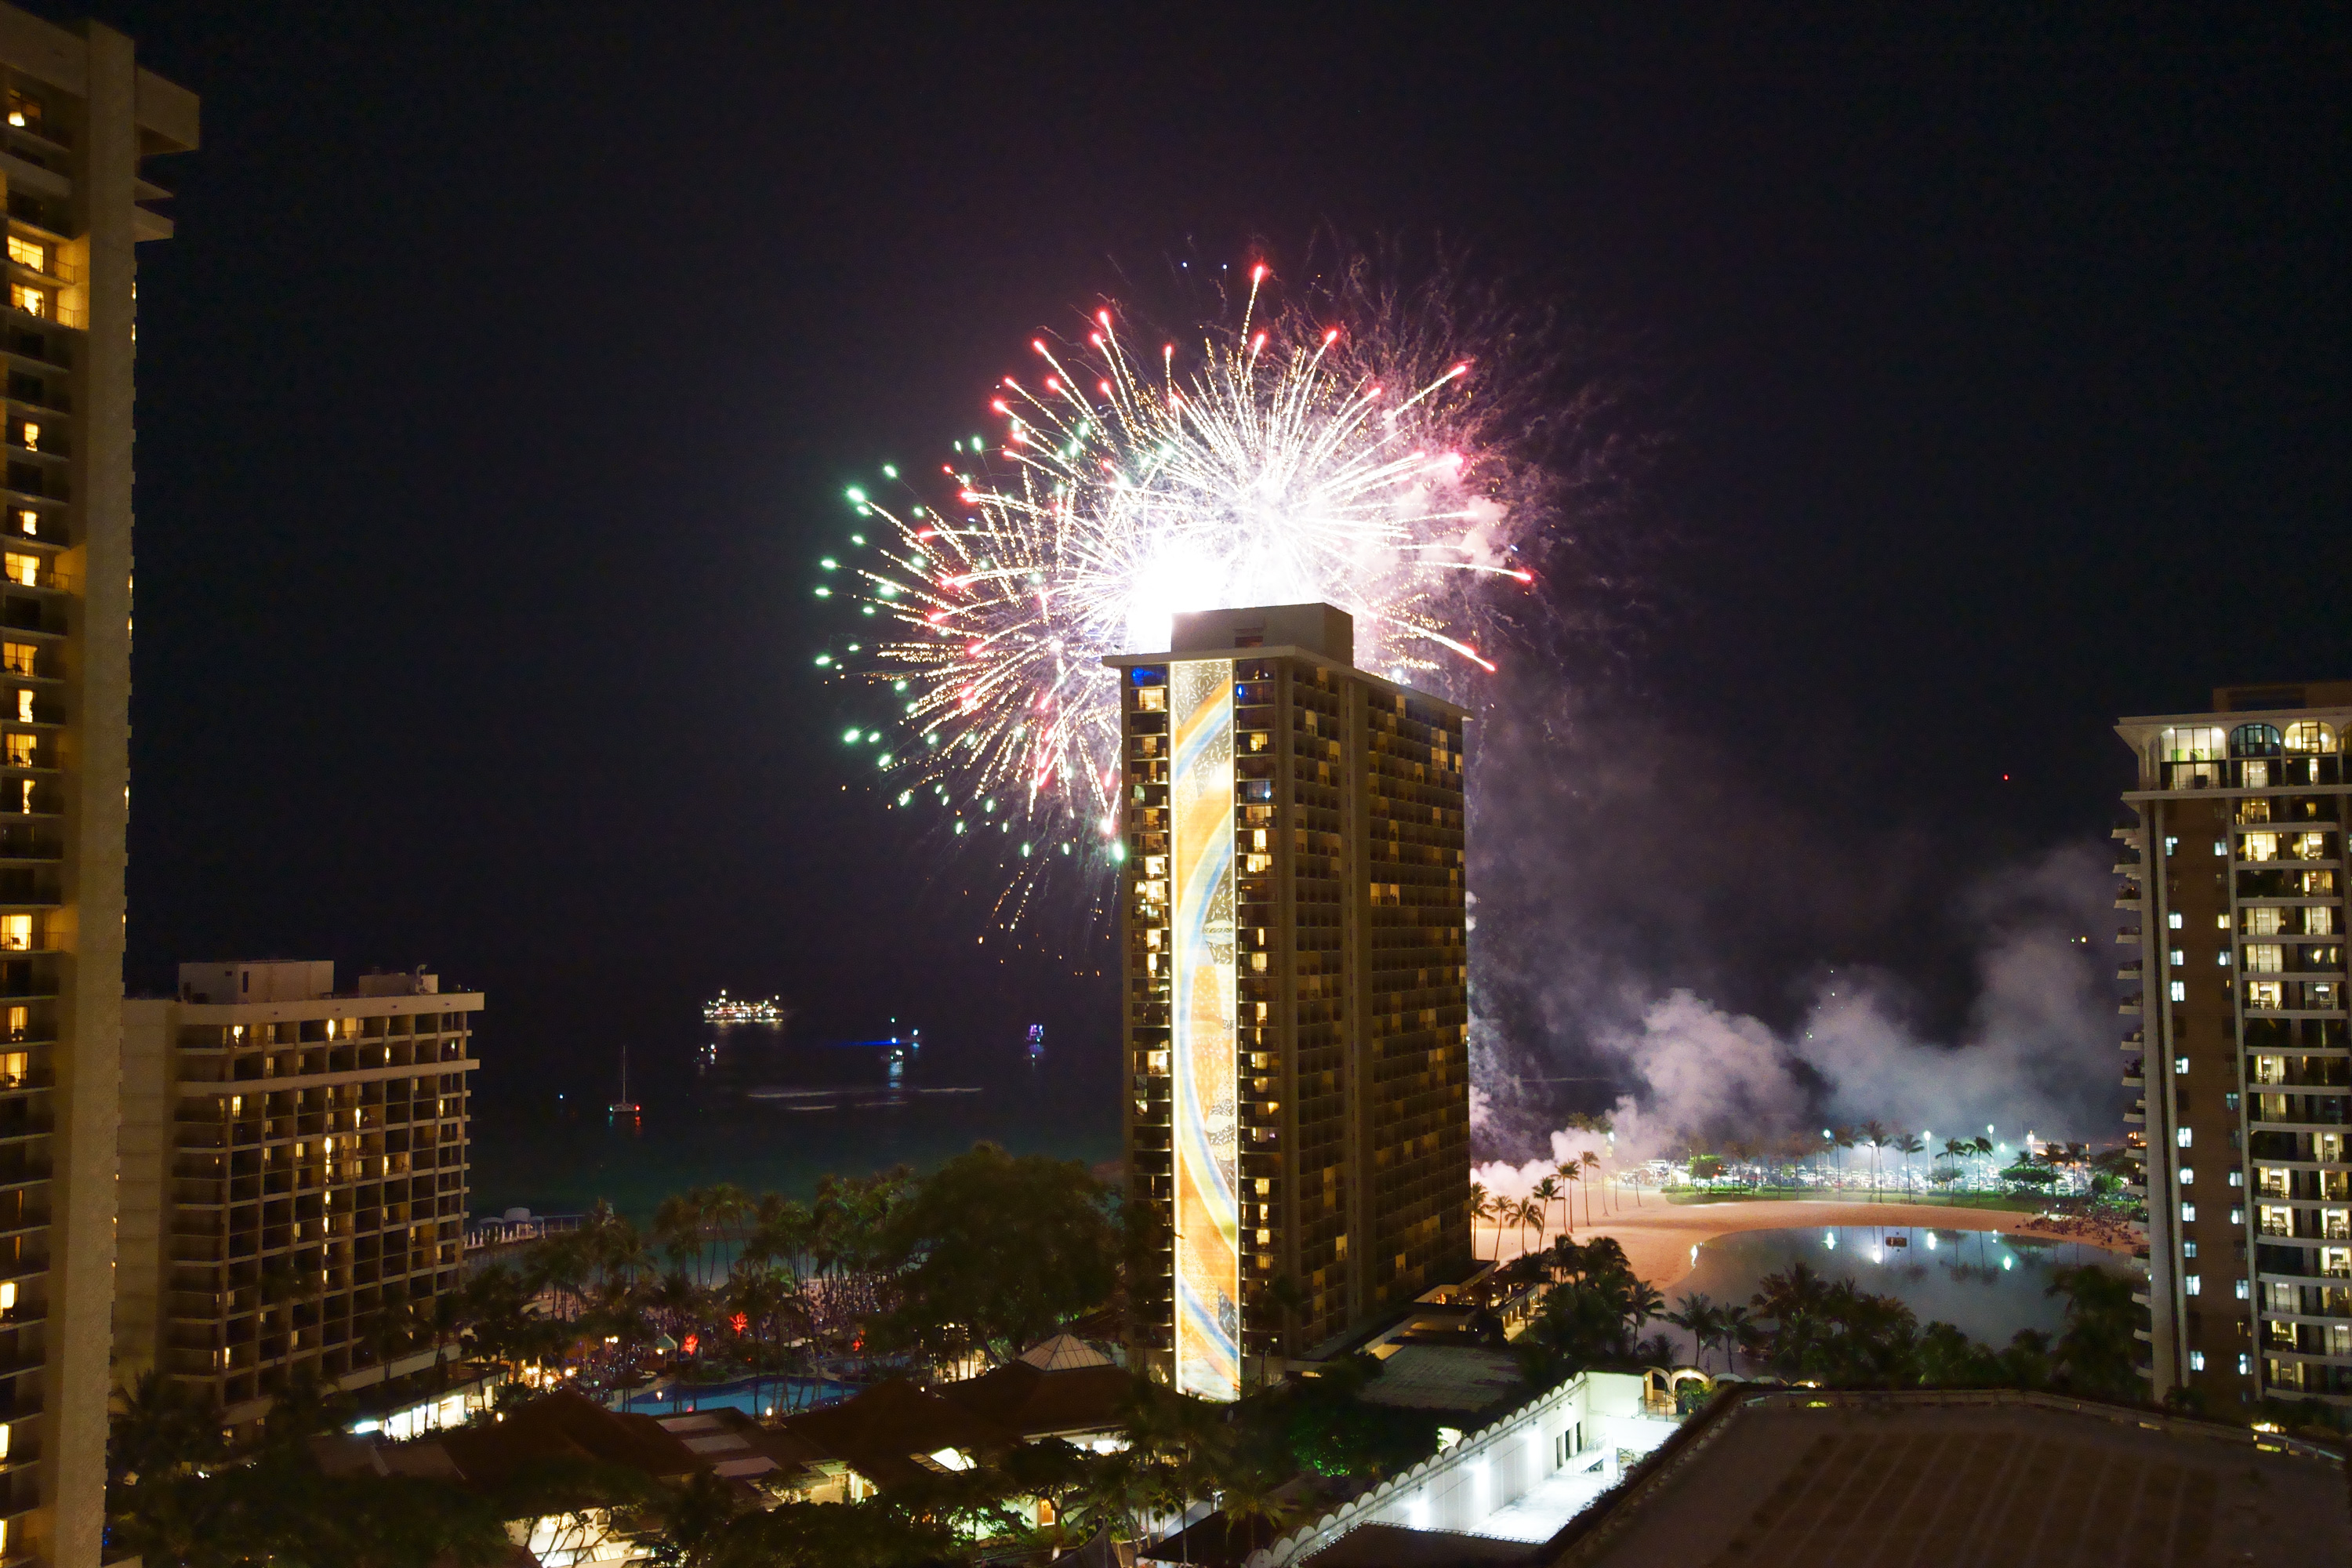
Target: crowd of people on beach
{"points": [[2095, 1229]]}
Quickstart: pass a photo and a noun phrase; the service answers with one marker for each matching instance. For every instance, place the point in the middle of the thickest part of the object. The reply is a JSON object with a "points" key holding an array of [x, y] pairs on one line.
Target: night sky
{"points": [[500, 387]]}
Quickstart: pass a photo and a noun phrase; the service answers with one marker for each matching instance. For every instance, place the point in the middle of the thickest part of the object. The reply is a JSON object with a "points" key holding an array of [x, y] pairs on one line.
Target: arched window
{"points": [[2310, 735], [2254, 741]]}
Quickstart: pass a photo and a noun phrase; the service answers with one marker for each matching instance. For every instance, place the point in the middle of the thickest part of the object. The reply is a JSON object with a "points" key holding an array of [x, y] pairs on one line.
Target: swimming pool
{"points": [[762, 1397]]}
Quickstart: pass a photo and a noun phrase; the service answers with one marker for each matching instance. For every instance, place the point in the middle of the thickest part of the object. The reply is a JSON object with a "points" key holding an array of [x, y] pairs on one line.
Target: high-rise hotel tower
{"points": [[82, 119], [2236, 881], [1293, 930]]}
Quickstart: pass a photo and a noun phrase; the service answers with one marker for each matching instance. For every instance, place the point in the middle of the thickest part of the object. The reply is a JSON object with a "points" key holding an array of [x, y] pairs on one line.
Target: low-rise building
{"points": [[293, 1178], [763, 1465]]}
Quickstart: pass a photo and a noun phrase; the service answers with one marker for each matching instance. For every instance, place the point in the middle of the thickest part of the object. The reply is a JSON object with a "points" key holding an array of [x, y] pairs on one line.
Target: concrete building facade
{"points": [[295, 1178], [2236, 878], [1293, 930], [82, 119]]}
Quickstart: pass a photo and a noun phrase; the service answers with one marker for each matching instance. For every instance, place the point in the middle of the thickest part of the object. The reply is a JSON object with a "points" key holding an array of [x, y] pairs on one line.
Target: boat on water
{"points": [[625, 1106], [726, 1009]]}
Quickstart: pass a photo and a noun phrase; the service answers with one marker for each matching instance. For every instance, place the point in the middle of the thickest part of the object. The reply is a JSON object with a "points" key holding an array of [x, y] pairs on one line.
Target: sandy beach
{"points": [[1658, 1237]]}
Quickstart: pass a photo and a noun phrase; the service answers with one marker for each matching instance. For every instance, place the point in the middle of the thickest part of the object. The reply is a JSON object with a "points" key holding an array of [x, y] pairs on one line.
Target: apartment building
{"points": [[81, 122], [295, 1177], [2236, 879], [1296, 991]]}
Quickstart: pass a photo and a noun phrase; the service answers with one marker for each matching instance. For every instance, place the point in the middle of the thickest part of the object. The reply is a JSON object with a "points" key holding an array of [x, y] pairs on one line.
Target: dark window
{"points": [[25, 477], [2256, 740], [25, 388]]}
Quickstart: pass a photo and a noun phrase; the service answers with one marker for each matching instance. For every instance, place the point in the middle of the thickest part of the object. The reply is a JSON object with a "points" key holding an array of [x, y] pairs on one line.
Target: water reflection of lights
{"points": [[1828, 1239]]}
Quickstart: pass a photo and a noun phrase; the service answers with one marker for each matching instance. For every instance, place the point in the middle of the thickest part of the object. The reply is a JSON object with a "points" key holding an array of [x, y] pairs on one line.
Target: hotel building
{"points": [[81, 121], [1292, 928], [294, 1178], [2236, 883]]}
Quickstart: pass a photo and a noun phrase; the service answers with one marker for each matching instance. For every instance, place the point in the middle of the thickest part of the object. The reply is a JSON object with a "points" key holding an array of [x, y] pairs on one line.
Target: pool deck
{"points": [[1658, 1238]]}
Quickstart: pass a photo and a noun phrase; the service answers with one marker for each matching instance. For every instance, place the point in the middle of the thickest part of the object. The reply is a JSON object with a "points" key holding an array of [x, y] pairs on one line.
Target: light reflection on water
{"points": [[748, 1105], [1986, 1284]]}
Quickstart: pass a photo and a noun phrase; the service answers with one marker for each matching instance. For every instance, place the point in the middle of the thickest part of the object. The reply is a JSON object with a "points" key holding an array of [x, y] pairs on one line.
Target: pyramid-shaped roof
{"points": [[1063, 1352]]}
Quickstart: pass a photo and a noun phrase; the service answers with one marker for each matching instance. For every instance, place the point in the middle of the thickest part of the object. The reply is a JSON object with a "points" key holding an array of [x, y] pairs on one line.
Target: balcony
{"points": [[2128, 971], [2127, 936], [2129, 1005], [2127, 896]]}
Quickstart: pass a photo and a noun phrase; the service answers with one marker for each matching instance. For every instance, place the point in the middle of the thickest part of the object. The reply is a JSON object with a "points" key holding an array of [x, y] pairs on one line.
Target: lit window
{"points": [[2243, 1289], [24, 114], [2265, 994], [2179, 1064], [2245, 1364], [13, 1065], [2193, 1284], [2173, 919], [32, 301], [29, 253], [2187, 1176], [2197, 1361], [20, 751], [2179, 956], [2310, 735], [30, 436], [15, 933], [21, 568], [2318, 919], [2237, 1179], [2180, 991], [2188, 1214], [2180, 1137], [2237, 1215], [28, 523], [26, 805]]}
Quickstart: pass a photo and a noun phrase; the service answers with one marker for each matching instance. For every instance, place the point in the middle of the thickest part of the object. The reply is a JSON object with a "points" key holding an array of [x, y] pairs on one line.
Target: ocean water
{"points": [[1986, 1284], [773, 1112]]}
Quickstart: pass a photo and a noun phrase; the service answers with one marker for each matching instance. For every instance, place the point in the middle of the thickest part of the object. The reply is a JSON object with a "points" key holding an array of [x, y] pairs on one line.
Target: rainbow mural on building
{"points": [[1208, 1165]]}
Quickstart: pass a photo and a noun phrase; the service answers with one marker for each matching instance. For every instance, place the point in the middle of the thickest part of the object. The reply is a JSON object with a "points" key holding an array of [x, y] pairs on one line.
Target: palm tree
{"points": [[1531, 1214], [1700, 1319], [1843, 1138], [1878, 1135], [1482, 1206], [1643, 1302], [445, 1321], [1909, 1144], [1570, 1172], [1591, 1164], [1732, 1329], [1548, 1193]]}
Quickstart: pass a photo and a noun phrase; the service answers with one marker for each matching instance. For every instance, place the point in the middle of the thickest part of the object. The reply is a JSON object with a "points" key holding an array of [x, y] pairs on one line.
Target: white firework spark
{"points": [[1288, 462]]}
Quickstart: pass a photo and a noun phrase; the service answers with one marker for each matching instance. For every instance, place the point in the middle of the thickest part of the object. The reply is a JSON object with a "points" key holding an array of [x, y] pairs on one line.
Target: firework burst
{"points": [[1284, 455]]}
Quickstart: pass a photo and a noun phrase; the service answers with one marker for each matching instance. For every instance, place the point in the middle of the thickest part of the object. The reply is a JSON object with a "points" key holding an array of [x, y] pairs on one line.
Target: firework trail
{"points": [[1290, 456]]}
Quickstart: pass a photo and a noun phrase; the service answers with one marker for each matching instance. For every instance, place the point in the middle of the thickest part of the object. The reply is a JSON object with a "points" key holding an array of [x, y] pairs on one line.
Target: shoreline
{"points": [[1658, 1242]]}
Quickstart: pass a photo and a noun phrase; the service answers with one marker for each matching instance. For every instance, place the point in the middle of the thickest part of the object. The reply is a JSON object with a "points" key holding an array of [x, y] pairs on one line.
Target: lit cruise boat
{"points": [[726, 1009]]}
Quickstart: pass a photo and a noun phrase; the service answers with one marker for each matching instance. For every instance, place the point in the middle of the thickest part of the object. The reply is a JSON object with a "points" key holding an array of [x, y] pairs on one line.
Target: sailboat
{"points": [[625, 1106]]}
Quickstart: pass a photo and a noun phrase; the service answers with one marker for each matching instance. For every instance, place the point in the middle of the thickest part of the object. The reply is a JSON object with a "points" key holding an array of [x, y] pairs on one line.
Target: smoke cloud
{"points": [[1660, 938]]}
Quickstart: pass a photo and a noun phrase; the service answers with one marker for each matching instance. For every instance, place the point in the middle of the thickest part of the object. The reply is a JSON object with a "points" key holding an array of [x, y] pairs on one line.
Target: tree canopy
{"points": [[994, 1251]]}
